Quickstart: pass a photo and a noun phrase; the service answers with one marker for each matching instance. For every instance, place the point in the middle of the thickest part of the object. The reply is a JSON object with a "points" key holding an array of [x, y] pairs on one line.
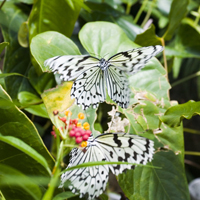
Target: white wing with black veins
{"points": [[89, 88], [113, 147], [70, 67], [134, 60]]}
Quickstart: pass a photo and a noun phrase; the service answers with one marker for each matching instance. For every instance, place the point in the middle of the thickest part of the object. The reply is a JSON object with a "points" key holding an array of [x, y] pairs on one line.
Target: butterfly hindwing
{"points": [[88, 181], [134, 60], [117, 86], [70, 67], [88, 88]]}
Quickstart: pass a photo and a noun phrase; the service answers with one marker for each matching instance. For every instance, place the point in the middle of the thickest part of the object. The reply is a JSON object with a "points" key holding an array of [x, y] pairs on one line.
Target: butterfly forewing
{"points": [[113, 147], [70, 67], [134, 60]]}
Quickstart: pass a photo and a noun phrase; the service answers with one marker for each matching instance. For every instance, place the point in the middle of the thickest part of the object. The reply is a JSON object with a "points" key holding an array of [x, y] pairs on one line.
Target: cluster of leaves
{"points": [[34, 31]]}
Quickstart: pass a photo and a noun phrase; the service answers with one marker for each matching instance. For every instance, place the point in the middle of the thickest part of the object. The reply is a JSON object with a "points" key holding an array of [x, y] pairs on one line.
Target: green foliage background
{"points": [[34, 31]]}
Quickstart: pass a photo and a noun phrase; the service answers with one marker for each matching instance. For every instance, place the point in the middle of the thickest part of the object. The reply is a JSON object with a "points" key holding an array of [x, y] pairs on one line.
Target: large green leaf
{"points": [[15, 123], [50, 44], [98, 38], [177, 13], [16, 58], [105, 12], [26, 149], [22, 186], [175, 114], [51, 15], [167, 183]]}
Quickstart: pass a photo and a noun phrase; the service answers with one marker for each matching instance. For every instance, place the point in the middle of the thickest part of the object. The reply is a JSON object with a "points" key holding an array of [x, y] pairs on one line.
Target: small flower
{"points": [[83, 144], [78, 124], [81, 116], [79, 140], [68, 113], [86, 126]]}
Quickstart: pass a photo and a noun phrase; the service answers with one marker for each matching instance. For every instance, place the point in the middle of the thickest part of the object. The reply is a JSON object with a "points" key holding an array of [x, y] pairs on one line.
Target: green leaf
{"points": [[9, 74], [15, 123], [46, 14], [98, 37], [22, 146], [50, 44], [58, 99], [41, 82], [175, 114], [11, 18], [177, 13], [148, 37], [3, 45], [23, 35], [22, 186], [32, 104], [167, 183], [64, 195]]}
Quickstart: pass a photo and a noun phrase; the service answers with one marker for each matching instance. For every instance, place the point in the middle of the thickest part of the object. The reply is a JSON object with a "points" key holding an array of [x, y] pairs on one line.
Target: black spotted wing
{"points": [[113, 147], [134, 60]]}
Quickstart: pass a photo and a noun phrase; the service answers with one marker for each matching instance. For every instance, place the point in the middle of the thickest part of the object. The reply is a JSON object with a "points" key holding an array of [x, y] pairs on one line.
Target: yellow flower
{"points": [[81, 116], [86, 126], [84, 144], [68, 113], [78, 124]]}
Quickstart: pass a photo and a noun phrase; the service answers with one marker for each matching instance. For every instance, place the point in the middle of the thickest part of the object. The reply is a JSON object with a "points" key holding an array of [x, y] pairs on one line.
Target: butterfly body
{"points": [[111, 147], [92, 75]]}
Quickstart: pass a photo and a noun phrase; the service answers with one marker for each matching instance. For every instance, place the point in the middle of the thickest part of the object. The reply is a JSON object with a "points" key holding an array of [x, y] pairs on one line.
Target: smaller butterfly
{"points": [[111, 147], [92, 74]]}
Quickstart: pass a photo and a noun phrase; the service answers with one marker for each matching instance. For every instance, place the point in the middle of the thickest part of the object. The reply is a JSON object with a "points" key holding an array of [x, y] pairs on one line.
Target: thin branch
{"points": [[186, 79], [4, 1], [192, 153], [165, 62], [140, 11]]}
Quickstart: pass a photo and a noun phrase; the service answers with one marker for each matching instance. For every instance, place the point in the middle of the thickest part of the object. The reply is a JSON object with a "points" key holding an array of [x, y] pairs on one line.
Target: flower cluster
{"points": [[72, 127]]}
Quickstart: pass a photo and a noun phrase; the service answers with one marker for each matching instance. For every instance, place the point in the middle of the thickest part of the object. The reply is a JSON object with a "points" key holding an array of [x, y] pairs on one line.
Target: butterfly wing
{"points": [[117, 86], [125, 148], [134, 60], [89, 88], [88, 181], [71, 66]]}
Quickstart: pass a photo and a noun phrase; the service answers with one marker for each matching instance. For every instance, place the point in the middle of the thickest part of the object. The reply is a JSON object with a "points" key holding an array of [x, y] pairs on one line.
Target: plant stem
{"points": [[165, 63], [2, 4], [186, 79], [55, 174], [197, 18], [140, 11], [148, 13], [191, 131], [193, 153], [128, 8]]}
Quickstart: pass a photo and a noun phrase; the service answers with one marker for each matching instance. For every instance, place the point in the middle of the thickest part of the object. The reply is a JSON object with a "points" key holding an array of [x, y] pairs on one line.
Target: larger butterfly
{"points": [[92, 74], [113, 147]]}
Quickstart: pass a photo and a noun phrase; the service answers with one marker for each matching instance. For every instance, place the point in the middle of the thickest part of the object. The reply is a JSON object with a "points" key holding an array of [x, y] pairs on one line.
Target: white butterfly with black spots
{"points": [[91, 181], [92, 74]]}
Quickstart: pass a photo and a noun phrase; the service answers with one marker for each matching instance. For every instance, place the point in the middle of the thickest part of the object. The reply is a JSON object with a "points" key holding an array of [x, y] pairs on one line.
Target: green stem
{"points": [[148, 13], [165, 62], [56, 172], [197, 18], [128, 8], [193, 153], [191, 130], [2, 4], [186, 79], [140, 11]]}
